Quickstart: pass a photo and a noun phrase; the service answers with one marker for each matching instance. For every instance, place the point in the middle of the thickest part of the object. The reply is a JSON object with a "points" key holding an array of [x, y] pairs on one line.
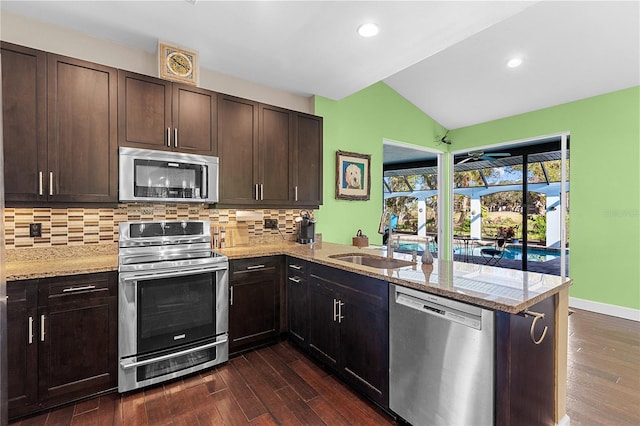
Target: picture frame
{"points": [[353, 176], [177, 64]]}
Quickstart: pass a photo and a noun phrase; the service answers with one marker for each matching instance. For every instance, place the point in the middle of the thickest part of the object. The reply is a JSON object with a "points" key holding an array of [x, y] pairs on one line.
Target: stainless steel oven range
{"points": [[173, 302]]}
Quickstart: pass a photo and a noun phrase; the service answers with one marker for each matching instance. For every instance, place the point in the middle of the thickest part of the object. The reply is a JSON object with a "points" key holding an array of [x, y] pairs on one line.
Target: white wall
{"points": [[38, 35]]}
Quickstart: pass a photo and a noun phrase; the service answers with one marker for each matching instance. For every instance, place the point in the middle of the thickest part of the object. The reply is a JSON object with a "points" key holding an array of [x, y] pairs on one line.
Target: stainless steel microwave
{"points": [[168, 177]]}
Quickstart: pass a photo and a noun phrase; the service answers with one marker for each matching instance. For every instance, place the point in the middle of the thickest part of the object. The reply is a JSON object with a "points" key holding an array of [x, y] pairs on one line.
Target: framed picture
{"points": [[353, 176]]}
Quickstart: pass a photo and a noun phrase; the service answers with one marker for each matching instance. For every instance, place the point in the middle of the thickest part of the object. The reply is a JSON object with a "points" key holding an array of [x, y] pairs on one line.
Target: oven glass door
{"points": [[166, 179], [175, 311]]}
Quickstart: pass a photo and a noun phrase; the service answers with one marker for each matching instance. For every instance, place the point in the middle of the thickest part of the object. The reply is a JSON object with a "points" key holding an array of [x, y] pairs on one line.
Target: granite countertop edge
{"points": [[320, 253]]}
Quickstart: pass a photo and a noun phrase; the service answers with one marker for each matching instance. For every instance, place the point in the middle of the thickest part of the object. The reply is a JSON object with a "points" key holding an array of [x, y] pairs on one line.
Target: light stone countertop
{"points": [[501, 289]]}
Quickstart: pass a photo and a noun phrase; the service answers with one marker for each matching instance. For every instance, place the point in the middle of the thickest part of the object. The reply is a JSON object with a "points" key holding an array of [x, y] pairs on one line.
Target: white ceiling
{"points": [[446, 57]]}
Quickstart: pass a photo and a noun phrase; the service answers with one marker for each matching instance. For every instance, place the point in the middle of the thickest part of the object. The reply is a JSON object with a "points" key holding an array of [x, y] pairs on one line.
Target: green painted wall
{"points": [[605, 187], [360, 123]]}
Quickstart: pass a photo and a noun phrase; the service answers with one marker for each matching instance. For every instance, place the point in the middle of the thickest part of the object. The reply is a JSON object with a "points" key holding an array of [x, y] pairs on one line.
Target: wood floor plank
{"points": [[228, 408], [270, 375], [133, 411], [324, 386], [301, 410], [84, 406], [264, 420], [179, 404], [110, 410], [247, 400], [265, 392], [203, 405], [86, 418], [212, 380], [298, 384], [326, 412], [63, 416], [157, 406]]}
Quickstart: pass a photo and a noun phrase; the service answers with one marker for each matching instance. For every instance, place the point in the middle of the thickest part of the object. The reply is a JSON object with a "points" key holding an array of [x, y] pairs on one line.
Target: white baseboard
{"points": [[565, 421], [606, 309]]}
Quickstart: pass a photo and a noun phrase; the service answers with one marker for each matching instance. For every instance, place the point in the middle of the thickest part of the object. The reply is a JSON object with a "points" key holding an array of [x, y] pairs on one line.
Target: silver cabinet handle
{"points": [[340, 316], [335, 310], [231, 296], [169, 137], [175, 137], [295, 280], [255, 267], [42, 333], [261, 191], [50, 183], [257, 192], [40, 183], [30, 329], [71, 289], [296, 192], [296, 267]]}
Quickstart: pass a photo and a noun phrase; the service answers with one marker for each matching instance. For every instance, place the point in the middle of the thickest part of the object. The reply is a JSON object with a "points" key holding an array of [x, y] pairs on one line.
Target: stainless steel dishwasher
{"points": [[441, 360]]}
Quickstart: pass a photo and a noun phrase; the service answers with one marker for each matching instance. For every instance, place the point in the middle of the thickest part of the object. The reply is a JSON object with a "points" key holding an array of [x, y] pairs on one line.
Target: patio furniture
{"points": [[493, 255]]}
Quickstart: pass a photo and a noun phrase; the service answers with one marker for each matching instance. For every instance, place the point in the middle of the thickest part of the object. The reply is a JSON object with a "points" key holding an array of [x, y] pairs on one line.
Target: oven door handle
{"points": [[126, 365], [140, 277]]}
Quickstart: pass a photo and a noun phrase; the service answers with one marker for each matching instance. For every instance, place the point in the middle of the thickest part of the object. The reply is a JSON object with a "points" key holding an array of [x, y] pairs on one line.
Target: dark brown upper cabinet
{"points": [[307, 160], [24, 109], [269, 156], [158, 114], [82, 131], [60, 140]]}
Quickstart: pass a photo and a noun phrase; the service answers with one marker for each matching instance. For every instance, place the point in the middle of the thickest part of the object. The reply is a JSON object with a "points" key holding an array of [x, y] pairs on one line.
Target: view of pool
{"points": [[514, 253]]}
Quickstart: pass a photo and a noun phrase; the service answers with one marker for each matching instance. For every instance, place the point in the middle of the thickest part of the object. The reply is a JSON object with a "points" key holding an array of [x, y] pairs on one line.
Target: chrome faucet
{"points": [[389, 215]]}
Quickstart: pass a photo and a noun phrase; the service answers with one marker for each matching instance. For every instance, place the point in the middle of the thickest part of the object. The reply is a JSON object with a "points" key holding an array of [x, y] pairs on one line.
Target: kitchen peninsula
{"points": [[523, 367]]}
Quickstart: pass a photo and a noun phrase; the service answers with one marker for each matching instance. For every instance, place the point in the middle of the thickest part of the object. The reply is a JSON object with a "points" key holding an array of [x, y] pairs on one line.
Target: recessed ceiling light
{"points": [[368, 30], [514, 62]]}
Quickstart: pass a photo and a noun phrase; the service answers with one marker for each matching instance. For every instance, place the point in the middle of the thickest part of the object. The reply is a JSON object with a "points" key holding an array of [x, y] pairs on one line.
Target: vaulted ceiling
{"points": [[446, 57]]}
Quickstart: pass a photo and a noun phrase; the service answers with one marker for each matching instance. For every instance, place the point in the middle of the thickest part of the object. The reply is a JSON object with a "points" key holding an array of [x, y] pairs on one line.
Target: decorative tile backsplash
{"points": [[84, 226]]}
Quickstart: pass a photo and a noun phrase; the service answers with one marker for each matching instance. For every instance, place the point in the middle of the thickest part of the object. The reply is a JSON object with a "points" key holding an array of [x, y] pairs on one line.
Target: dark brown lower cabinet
{"points": [[254, 301], [525, 371], [297, 301], [62, 340], [348, 328]]}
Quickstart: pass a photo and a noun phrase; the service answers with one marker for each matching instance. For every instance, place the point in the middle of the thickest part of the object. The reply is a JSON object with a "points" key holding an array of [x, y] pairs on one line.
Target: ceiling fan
{"points": [[480, 155], [444, 139]]}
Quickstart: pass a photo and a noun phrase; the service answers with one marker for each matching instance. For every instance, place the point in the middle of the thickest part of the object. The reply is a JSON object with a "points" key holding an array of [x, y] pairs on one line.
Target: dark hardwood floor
{"points": [[603, 370], [280, 385]]}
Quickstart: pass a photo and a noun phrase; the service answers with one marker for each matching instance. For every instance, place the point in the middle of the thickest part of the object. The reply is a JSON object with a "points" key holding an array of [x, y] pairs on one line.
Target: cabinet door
{"points": [[24, 92], [364, 344], [297, 301], [254, 302], [22, 352], [195, 120], [323, 325], [144, 112], [276, 135], [238, 151], [307, 160], [82, 131], [78, 337]]}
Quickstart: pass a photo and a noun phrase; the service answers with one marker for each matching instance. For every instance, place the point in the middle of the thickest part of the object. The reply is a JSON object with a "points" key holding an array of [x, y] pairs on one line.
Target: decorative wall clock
{"points": [[178, 64]]}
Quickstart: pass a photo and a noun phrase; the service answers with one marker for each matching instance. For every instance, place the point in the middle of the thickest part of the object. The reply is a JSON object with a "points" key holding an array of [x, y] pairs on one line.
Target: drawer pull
{"points": [[50, 183], [296, 267], [72, 289], [40, 183], [295, 280], [255, 267]]}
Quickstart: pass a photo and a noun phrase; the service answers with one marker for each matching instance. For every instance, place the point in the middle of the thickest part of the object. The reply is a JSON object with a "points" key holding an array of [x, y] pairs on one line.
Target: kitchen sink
{"points": [[372, 261]]}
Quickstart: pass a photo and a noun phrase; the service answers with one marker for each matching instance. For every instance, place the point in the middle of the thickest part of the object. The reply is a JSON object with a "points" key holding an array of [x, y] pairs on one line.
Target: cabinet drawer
{"points": [[23, 292], [241, 266], [77, 287]]}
